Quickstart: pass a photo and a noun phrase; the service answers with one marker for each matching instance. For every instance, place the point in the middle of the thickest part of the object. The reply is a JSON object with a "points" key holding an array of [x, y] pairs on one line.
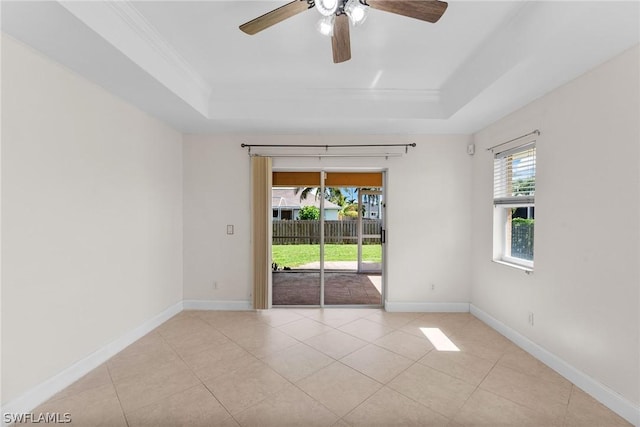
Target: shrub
{"points": [[523, 221], [309, 213]]}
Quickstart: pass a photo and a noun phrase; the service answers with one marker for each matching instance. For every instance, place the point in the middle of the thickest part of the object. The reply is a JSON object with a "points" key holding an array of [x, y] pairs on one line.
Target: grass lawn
{"points": [[296, 255]]}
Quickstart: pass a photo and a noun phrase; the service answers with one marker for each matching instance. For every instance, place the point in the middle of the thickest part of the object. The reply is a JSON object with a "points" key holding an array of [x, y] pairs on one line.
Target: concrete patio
{"points": [[341, 288]]}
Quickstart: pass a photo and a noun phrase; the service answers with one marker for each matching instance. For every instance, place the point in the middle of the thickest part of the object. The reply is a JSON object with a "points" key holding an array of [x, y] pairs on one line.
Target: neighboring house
{"points": [[372, 207], [286, 204]]}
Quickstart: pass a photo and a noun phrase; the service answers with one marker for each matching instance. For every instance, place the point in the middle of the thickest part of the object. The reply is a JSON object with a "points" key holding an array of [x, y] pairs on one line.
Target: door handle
{"points": [[383, 235]]}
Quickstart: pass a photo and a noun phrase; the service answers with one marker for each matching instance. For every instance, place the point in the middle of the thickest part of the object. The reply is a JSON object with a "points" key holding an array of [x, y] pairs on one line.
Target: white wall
{"points": [[585, 288], [216, 193], [428, 214], [91, 218]]}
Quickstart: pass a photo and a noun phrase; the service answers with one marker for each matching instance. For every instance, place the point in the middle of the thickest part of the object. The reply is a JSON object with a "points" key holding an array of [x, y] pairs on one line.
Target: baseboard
{"points": [[598, 391], [217, 305], [45, 390], [427, 307]]}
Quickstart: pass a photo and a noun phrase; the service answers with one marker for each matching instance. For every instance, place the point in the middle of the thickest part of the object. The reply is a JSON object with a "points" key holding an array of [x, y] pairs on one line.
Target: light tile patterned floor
{"points": [[331, 367]]}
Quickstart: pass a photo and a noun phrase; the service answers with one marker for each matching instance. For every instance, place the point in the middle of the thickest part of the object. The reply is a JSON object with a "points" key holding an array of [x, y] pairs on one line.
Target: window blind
{"points": [[514, 175]]}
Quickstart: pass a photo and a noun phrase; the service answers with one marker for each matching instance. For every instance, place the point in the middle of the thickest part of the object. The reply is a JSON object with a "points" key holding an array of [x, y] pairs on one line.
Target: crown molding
{"points": [[125, 28], [433, 96], [150, 35], [300, 103]]}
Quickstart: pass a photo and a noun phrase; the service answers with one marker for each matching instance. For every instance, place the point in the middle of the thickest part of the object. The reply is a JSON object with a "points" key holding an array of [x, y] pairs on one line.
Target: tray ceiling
{"points": [[188, 63]]}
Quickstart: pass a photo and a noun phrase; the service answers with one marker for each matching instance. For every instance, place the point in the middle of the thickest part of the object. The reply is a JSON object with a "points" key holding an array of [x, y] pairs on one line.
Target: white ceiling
{"points": [[187, 62]]}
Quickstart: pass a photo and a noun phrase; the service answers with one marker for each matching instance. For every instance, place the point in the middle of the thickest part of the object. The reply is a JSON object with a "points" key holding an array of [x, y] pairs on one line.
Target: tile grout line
{"points": [[221, 404], [195, 375], [414, 362], [518, 403], [267, 365], [124, 414], [566, 412], [231, 415], [507, 398], [477, 387], [334, 361], [411, 398]]}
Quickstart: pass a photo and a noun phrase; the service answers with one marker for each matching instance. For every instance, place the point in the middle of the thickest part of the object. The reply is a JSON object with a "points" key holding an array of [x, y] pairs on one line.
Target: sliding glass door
{"points": [[327, 240]]}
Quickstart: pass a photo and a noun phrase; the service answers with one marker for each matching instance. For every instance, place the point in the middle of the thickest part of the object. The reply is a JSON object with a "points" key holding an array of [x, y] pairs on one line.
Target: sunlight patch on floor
{"points": [[439, 340]]}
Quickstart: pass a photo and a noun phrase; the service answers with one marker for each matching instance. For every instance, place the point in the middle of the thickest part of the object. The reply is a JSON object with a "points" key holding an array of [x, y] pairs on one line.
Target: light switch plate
{"points": [[230, 229]]}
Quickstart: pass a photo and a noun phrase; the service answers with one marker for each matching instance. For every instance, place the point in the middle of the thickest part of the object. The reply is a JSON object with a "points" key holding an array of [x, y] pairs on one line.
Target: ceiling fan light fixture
{"points": [[327, 7], [356, 11], [325, 25], [336, 15]]}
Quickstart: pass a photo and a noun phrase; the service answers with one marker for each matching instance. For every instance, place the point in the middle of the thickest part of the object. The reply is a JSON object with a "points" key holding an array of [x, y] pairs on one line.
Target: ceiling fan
{"points": [[338, 13]]}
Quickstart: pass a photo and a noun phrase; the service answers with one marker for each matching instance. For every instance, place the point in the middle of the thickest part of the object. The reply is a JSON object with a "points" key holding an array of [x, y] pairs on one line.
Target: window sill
{"points": [[528, 270]]}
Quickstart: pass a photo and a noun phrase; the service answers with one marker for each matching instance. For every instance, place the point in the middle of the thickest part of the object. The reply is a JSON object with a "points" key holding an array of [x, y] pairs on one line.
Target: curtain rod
{"points": [[386, 155], [413, 144], [535, 132], [326, 146]]}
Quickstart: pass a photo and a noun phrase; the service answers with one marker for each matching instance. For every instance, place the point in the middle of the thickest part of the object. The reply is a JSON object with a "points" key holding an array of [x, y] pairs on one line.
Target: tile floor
{"points": [[332, 367]]}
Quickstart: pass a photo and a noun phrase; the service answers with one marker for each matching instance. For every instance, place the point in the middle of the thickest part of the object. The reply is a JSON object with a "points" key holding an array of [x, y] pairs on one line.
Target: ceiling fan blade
{"points": [[276, 15], [340, 42], [425, 10]]}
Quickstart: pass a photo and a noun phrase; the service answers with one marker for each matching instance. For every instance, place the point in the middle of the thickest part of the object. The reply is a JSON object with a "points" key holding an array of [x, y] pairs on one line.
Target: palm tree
{"points": [[351, 194], [334, 195]]}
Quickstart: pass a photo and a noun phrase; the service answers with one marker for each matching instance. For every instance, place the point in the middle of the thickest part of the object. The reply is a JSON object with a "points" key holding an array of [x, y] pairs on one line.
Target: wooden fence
{"points": [[303, 232]]}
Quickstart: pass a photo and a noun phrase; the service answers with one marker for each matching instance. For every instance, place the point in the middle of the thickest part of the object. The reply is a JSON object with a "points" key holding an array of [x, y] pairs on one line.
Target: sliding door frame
{"points": [[323, 175], [362, 236]]}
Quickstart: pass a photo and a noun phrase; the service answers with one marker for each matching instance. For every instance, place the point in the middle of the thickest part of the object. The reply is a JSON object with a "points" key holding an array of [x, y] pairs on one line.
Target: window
{"points": [[514, 187]]}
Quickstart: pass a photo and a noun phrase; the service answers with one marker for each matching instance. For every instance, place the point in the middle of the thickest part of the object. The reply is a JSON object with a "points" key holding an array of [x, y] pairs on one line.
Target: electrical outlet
{"points": [[215, 285], [531, 318], [433, 286]]}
